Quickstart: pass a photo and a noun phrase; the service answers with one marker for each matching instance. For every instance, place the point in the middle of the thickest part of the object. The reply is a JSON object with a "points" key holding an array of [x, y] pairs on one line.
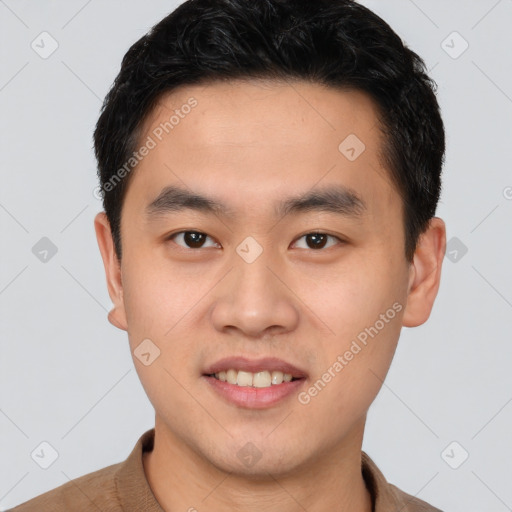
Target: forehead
{"points": [[242, 113], [248, 141]]}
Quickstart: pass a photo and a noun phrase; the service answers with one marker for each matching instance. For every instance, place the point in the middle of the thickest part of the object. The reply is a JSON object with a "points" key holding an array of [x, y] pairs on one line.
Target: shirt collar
{"points": [[387, 497], [133, 488]]}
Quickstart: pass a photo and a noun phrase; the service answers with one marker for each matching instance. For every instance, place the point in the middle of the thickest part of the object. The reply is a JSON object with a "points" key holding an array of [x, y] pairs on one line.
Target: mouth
{"points": [[254, 383], [263, 372], [261, 379]]}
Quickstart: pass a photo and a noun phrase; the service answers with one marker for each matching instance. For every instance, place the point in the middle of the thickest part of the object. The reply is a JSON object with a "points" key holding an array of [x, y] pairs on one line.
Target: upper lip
{"points": [[255, 365]]}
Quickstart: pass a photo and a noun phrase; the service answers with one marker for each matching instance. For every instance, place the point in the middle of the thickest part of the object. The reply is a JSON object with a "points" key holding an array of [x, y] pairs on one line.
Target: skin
{"points": [[249, 144]]}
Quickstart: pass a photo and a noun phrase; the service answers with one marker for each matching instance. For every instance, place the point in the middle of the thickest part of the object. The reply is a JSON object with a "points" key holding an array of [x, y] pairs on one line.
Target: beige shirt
{"points": [[123, 487]]}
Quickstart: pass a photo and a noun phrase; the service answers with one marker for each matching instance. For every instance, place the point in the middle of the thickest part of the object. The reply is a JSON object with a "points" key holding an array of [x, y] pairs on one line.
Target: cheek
{"points": [[156, 300], [161, 302], [363, 309], [352, 297], [355, 367], [156, 296]]}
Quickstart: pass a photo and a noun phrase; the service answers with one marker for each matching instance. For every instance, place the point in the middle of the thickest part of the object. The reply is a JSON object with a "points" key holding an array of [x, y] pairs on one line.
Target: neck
{"points": [[182, 480]]}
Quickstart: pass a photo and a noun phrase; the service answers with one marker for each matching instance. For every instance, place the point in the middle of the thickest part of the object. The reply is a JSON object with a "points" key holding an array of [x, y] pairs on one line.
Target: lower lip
{"points": [[250, 397]]}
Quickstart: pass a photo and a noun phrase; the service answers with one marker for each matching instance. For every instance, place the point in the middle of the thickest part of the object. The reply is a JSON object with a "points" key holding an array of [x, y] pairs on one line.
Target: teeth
{"points": [[244, 378], [263, 379], [231, 376], [277, 377]]}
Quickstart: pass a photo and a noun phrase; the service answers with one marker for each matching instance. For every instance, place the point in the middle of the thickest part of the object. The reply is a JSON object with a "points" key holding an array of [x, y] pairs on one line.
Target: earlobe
{"points": [[117, 315], [115, 321], [425, 274]]}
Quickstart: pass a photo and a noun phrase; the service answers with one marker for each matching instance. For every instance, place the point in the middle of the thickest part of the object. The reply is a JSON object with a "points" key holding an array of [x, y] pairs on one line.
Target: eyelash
{"points": [[174, 235]]}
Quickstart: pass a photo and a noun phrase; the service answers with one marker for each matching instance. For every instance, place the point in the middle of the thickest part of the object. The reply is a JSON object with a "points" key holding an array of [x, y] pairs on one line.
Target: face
{"points": [[288, 262]]}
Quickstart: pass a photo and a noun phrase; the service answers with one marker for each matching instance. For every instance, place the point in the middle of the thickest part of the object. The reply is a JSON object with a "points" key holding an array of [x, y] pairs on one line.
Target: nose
{"points": [[255, 300]]}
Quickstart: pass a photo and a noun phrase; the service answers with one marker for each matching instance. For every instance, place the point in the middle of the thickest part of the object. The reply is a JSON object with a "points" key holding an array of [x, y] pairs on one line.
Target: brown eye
{"points": [[191, 239], [317, 241]]}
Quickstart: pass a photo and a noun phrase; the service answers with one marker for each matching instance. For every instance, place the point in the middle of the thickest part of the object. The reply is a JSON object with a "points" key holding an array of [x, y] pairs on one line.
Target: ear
{"points": [[425, 274], [117, 315]]}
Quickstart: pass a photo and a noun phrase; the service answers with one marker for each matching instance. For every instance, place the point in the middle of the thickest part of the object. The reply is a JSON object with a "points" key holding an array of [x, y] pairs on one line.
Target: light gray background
{"points": [[66, 374]]}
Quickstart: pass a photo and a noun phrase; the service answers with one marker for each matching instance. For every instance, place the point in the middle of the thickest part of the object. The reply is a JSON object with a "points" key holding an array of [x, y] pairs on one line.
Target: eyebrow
{"points": [[336, 199]]}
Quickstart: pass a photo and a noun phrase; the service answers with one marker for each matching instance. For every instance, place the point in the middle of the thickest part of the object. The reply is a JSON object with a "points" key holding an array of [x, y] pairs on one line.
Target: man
{"points": [[270, 173]]}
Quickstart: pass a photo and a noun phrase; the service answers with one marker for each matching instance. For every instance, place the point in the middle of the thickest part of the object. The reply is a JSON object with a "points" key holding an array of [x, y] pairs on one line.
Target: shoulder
{"points": [[105, 490], [94, 491]]}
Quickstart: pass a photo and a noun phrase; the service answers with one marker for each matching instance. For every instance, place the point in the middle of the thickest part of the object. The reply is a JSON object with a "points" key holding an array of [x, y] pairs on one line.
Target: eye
{"points": [[196, 240], [317, 240], [191, 239]]}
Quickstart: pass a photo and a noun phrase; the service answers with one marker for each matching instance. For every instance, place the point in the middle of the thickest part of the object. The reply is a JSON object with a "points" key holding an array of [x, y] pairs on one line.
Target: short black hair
{"points": [[336, 43]]}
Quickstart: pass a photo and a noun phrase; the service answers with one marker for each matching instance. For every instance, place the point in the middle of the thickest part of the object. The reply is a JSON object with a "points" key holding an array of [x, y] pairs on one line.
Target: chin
{"points": [[256, 464]]}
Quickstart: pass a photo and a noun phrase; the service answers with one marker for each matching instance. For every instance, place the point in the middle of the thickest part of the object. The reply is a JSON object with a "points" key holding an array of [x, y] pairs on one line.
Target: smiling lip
{"points": [[249, 397], [255, 365]]}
